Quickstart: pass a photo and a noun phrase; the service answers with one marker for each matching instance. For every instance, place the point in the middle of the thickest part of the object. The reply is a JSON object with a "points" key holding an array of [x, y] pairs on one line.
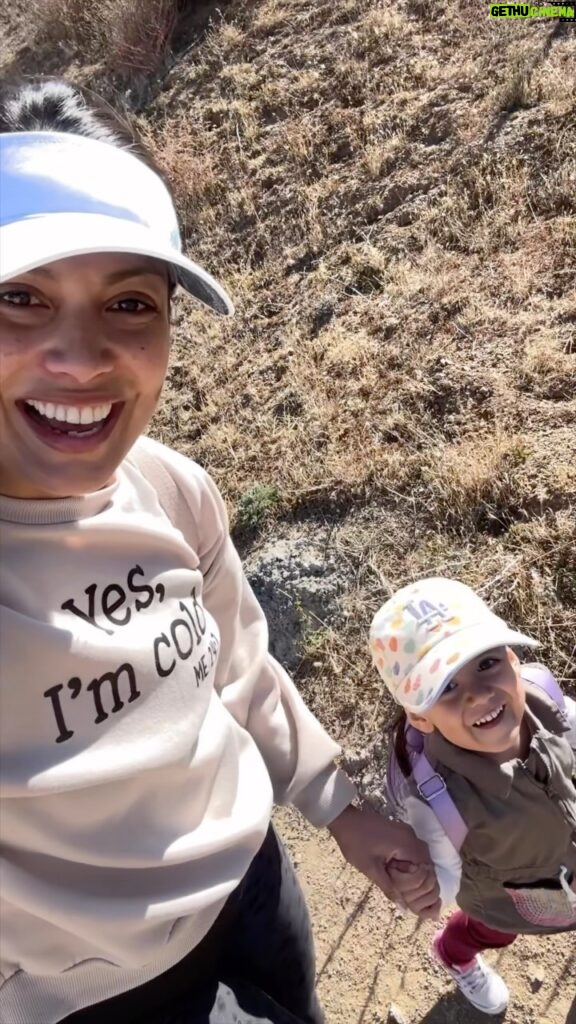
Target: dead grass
{"points": [[122, 39], [519, 89], [549, 367], [389, 196]]}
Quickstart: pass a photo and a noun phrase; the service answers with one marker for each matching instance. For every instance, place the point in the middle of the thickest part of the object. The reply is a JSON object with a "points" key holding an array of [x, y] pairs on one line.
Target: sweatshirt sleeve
{"points": [[298, 753], [444, 856]]}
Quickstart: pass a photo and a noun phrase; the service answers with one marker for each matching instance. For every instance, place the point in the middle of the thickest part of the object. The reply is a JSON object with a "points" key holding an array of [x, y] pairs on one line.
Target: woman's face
{"points": [[84, 346]]}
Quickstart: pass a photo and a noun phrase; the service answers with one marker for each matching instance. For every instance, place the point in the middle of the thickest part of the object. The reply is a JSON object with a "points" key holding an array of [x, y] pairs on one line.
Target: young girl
{"points": [[500, 753]]}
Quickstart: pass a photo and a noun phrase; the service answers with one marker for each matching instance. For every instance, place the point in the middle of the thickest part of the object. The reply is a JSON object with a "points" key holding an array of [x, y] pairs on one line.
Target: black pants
{"points": [[255, 966]]}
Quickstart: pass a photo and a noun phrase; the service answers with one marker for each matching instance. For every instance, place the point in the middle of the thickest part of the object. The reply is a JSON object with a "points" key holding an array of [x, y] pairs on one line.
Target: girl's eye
{"points": [[450, 687], [131, 305], [16, 297], [487, 663]]}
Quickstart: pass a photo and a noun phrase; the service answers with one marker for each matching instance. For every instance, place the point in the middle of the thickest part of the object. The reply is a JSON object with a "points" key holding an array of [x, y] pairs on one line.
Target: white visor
{"points": [[64, 195]]}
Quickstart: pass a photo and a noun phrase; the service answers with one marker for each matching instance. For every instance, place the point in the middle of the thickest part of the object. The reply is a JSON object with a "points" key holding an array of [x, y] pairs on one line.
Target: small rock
{"points": [[356, 762], [395, 1015], [537, 979], [299, 589]]}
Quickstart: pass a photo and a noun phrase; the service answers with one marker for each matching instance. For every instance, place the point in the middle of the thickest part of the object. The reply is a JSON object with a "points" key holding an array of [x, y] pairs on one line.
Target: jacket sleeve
{"points": [[444, 856], [255, 689]]}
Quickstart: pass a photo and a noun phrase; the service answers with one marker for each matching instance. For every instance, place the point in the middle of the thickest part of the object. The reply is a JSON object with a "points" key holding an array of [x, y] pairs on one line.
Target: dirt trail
{"points": [[370, 956]]}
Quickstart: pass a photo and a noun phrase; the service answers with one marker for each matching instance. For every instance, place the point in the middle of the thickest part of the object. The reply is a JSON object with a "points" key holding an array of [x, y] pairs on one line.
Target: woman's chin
{"points": [[72, 482]]}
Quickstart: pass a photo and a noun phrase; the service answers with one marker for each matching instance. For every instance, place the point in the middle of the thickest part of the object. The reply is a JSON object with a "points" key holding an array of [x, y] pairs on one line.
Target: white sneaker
{"points": [[478, 982]]}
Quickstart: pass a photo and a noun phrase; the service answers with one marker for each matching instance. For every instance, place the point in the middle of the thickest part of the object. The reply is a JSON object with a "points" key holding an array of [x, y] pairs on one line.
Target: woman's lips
{"points": [[81, 440]]}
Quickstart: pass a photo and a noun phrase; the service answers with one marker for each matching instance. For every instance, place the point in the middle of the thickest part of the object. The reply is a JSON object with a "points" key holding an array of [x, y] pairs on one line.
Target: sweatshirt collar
{"points": [[55, 511]]}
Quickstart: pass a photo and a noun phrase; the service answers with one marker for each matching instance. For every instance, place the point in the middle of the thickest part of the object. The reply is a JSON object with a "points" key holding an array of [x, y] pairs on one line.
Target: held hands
{"points": [[413, 889], [389, 854]]}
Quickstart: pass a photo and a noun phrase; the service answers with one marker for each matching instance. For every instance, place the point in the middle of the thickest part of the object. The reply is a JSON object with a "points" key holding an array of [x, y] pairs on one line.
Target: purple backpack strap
{"points": [[432, 788], [540, 676]]}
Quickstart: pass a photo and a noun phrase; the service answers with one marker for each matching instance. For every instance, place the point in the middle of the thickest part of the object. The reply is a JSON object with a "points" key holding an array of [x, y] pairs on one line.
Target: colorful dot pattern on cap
{"points": [[414, 637]]}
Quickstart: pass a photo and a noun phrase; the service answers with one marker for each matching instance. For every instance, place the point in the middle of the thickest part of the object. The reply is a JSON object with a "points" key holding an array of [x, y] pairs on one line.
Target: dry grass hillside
{"points": [[389, 193]]}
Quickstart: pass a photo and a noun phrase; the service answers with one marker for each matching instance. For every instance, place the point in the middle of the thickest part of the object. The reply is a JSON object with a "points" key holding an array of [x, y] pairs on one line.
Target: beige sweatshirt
{"points": [[144, 733]]}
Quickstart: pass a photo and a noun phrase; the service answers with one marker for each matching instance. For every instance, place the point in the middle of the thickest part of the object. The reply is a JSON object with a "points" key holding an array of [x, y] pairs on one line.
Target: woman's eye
{"points": [[15, 297], [131, 305]]}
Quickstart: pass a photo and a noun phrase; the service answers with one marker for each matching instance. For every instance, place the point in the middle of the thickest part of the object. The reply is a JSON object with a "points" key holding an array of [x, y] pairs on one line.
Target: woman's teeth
{"points": [[72, 413], [491, 717]]}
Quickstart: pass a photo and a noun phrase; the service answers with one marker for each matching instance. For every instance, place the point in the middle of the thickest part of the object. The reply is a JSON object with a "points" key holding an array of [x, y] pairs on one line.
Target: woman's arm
{"points": [[298, 753], [260, 695], [255, 689]]}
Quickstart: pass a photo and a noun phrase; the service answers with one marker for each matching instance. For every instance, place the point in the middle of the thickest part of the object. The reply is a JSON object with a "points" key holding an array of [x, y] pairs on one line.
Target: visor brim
{"points": [[37, 241]]}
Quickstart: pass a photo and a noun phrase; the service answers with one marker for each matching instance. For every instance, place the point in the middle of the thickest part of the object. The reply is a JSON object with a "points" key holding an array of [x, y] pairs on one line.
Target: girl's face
{"points": [[482, 708], [84, 346]]}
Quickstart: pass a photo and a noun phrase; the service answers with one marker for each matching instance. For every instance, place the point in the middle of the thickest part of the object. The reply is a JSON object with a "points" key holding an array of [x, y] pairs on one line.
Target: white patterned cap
{"points": [[426, 632]]}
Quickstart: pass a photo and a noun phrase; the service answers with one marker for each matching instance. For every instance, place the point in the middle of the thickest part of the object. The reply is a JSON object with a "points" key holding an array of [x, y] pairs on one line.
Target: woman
{"points": [[145, 730]]}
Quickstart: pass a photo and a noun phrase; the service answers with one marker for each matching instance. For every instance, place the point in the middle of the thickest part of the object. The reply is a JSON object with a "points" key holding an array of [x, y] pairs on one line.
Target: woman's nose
{"points": [[78, 350]]}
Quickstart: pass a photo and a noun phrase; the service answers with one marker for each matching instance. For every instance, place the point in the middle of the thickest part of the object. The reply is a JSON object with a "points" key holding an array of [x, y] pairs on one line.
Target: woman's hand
{"points": [[369, 842]]}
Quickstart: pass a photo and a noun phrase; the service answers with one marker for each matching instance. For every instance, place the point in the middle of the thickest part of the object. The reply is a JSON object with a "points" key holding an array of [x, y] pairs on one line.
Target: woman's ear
{"points": [[420, 722]]}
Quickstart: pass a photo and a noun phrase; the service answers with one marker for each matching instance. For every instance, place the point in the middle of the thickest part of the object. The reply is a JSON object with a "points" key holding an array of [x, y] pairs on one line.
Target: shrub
{"points": [[256, 505]]}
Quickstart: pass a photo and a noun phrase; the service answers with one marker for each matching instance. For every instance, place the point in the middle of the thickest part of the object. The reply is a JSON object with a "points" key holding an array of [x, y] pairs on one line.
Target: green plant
{"points": [[256, 505]]}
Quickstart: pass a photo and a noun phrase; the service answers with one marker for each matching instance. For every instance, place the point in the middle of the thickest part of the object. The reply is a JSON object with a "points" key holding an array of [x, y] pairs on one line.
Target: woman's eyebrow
{"points": [[45, 271], [142, 270], [138, 270]]}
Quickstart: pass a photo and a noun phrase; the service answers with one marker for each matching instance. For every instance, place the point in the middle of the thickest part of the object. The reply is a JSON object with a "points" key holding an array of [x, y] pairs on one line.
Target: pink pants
{"points": [[463, 937]]}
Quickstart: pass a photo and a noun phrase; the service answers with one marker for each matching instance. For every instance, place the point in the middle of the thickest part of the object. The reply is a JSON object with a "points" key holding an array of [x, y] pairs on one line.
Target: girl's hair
{"points": [[52, 105], [398, 741]]}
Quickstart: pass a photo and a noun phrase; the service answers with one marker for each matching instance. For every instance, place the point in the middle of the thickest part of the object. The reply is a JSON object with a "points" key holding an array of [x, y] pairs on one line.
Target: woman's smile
{"points": [[71, 428]]}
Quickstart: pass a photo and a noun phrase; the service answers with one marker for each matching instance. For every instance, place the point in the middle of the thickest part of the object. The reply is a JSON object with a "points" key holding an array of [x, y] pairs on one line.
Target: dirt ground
{"points": [[371, 957]]}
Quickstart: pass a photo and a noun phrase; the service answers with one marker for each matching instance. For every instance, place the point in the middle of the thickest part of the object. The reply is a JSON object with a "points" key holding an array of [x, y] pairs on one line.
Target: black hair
{"points": [[397, 732], [53, 105]]}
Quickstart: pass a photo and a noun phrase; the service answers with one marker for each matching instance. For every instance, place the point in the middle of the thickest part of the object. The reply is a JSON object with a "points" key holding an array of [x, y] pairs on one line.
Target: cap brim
{"points": [[456, 651], [36, 241]]}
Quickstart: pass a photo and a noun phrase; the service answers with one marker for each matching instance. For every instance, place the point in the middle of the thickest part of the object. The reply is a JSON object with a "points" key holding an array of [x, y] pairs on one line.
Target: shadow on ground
{"points": [[453, 1009]]}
